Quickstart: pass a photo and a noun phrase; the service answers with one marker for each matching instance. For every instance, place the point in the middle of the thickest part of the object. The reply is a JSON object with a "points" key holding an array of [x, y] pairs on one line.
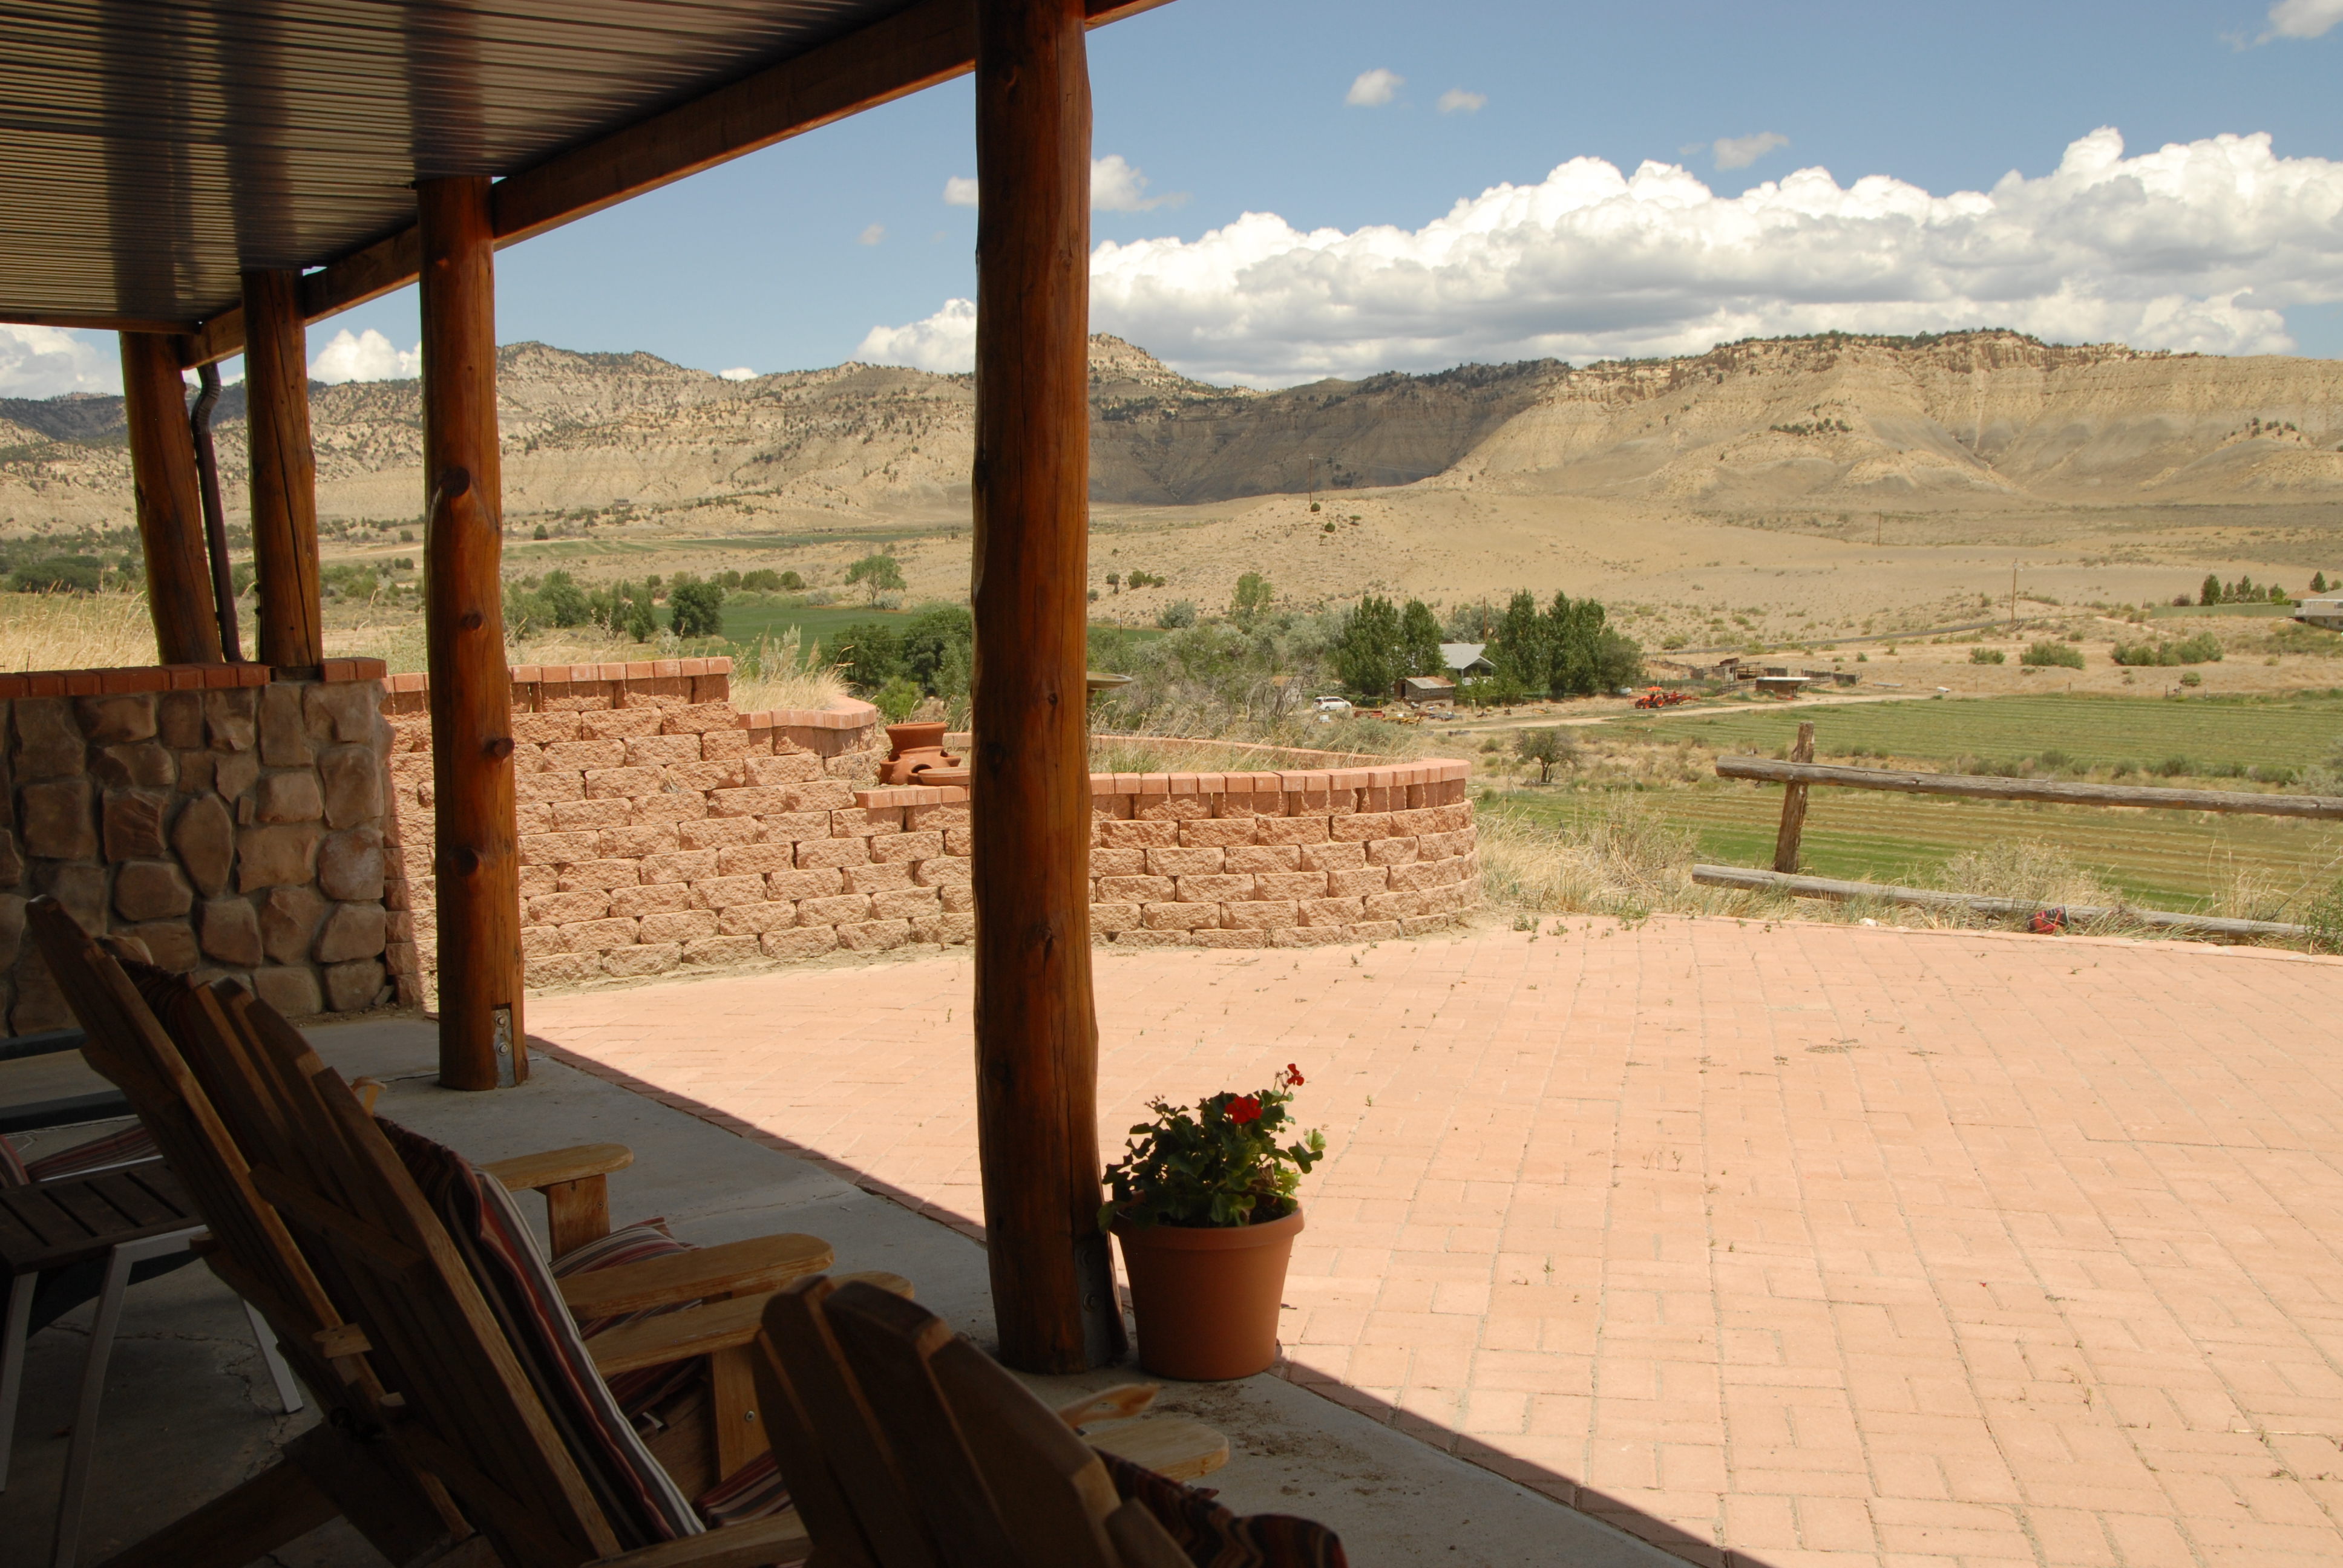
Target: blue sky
{"points": [[790, 257]]}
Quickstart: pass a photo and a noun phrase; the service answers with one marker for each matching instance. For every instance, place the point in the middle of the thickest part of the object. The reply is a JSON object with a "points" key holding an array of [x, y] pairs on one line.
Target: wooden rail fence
{"points": [[1801, 772]]}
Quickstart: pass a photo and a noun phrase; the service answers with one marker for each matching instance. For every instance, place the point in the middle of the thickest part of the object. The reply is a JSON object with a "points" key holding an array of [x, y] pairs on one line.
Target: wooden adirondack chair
{"points": [[433, 1427], [905, 1446]]}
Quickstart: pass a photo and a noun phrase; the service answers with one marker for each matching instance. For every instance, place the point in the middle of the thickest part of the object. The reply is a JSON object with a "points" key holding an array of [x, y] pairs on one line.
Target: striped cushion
{"points": [[755, 1490], [641, 1503], [127, 1147], [639, 1391]]}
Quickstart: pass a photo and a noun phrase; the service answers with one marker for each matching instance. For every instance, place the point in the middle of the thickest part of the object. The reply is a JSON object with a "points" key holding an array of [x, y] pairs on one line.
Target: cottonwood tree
{"points": [[878, 573]]}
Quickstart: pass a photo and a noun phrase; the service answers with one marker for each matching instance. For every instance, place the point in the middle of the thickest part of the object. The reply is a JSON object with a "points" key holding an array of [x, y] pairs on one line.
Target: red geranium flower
{"points": [[1293, 1075], [1247, 1108]]}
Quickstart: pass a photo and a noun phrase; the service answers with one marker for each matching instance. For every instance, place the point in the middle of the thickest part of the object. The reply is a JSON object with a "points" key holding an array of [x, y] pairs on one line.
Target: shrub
{"points": [[2059, 653], [2324, 919], [2190, 677], [1176, 614], [764, 579], [2202, 648], [695, 608], [1545, 748], [57, 574], [898, 698], [1252, 595], [2172, 768], [627, 610], [1988, 655], [869, 655]]}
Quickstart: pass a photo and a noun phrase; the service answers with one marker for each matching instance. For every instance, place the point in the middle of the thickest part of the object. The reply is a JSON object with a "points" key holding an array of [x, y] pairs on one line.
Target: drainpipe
{"points": [[199, 424]]}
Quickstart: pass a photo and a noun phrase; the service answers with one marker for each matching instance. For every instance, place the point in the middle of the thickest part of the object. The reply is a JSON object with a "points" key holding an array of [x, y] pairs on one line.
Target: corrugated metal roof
{"points": [[151, 148]]}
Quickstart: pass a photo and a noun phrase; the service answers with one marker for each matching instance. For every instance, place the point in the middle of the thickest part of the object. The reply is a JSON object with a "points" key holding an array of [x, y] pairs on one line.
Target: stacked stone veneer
{"points": [[231, 821]]}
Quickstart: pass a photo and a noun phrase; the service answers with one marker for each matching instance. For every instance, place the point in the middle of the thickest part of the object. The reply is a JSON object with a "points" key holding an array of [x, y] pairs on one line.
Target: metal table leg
{"points": [[289, 1389], [12, 1363], [120, 1258]]}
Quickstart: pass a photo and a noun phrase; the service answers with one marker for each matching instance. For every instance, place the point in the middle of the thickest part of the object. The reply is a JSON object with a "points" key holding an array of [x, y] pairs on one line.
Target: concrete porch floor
{"points": [[189, 1410]]}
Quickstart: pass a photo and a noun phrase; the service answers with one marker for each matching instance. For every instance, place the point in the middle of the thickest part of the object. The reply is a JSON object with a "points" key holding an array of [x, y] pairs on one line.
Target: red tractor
{"points": [[1656, 698]]}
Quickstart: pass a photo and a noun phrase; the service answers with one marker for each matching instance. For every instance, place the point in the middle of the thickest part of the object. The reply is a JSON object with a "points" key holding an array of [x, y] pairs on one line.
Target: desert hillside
{"points": [[1963, 420], [1983, 421]]}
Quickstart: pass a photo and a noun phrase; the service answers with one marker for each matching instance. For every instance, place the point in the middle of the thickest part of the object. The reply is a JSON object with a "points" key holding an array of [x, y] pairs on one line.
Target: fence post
{"points": [[1793, 807]]}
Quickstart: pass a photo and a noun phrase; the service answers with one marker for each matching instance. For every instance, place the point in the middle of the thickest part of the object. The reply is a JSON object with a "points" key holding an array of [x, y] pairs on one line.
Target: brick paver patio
{"points": [[1787, 1245]]}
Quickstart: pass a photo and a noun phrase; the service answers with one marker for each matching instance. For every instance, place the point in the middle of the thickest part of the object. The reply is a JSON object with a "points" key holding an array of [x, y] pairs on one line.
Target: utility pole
{"points": [[2013, 597]]}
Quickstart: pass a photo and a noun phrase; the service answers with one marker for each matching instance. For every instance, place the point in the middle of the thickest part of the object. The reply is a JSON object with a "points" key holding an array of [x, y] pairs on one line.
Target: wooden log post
{"points": [[169, 503], [1793, 807], [1036, 1027], [477, 859], [283, 471]]}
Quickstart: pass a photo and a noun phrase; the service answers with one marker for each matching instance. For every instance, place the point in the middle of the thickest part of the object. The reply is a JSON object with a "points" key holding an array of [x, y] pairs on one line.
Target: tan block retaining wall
{"points": [[281, 831], [652, 814], [662, 829], [232, 821]]}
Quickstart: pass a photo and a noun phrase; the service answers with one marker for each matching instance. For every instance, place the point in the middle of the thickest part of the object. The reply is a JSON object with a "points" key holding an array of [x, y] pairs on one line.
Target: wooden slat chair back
{"points": [[905, 1446], [468, 1413], [334, 1468]]}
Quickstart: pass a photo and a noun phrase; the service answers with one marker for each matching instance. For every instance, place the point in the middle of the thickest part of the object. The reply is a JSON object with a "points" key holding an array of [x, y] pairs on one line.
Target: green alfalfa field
{"points": [[2263, 867]]}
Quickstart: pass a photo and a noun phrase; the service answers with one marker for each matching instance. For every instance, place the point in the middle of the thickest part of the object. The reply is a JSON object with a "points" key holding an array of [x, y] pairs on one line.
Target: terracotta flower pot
{"points": [[1207, 1298], [922, 737]]}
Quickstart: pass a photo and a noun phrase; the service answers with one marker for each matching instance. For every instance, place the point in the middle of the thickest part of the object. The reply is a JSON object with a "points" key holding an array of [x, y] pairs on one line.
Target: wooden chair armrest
{"points": [[675, 1336], [780, 1538], [1172, 1446], [699, 1331], [754, 1267], [535, 1173], [1120, 1403]]}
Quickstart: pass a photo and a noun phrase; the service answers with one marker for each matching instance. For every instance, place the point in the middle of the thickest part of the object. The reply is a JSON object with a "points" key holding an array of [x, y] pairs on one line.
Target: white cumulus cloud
{"points": [[368, 357], [1457, 101], [945, 341], [47, 361], [2198, 245], [1375, 88], [1115, 186], [871, 235], [2304, 18], [738, 373], [1740, 152]]}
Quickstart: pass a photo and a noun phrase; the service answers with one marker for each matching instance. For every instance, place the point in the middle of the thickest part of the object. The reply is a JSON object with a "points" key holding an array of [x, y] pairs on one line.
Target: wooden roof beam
{"points": [[932, 42]]}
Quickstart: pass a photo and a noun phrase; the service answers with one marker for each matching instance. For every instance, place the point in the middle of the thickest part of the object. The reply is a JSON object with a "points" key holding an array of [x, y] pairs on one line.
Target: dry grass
{"points": [[75, 632], [781, 673], [1622, 858]]}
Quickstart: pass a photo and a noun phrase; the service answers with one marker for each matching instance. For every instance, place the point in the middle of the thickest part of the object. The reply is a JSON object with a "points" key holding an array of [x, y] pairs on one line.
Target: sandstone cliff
{"points": [[1985, 419]]}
